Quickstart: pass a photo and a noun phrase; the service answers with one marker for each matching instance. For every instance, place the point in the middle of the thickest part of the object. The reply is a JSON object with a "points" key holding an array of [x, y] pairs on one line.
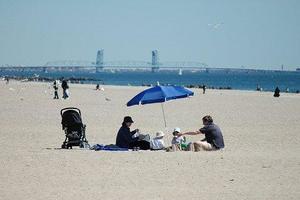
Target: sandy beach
{"points": [[260, 161]]}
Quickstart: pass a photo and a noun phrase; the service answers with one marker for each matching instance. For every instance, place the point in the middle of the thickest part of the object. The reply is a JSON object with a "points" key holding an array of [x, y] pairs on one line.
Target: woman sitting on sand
{"points": [[129, 139], [213, 136]]}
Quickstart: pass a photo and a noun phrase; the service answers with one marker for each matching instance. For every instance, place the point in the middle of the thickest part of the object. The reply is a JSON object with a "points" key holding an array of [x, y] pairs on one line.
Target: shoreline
{"points": [[80, 81]]}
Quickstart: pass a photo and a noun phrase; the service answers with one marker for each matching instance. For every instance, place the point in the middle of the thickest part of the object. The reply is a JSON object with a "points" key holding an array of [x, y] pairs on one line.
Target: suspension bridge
{"points": [[101, 65]]}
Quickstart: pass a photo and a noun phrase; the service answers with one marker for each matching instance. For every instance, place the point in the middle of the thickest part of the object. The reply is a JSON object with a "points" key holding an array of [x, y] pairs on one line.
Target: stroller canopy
{"points": [[71, 119]]}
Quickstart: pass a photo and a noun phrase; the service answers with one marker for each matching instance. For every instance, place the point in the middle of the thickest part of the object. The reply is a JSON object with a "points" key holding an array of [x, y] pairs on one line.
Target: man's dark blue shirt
{"points": [[213, 135]]}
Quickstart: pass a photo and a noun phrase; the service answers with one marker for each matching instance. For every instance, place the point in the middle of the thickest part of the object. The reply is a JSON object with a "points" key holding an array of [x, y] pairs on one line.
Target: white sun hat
{"points": [[177, 130], [160, 134]]}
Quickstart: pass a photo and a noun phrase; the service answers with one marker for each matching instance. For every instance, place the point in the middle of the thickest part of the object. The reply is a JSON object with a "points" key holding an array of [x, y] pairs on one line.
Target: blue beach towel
{"points": [[110, 147]]}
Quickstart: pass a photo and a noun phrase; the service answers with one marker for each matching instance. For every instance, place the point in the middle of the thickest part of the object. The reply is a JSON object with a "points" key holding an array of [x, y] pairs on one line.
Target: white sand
{"points": [[261, 159]]}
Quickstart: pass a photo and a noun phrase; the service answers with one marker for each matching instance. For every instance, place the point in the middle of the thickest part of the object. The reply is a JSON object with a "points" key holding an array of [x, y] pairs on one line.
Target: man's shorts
{"points": [[200, 146]]}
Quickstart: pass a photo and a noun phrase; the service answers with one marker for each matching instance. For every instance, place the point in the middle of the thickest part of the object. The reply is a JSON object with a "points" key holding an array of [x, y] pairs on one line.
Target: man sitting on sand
{"points": [[213, 136], [130, 139]]}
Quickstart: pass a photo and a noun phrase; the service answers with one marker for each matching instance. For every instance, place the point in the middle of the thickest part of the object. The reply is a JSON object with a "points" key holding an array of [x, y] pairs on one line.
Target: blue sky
{"points": [[221, 33]]}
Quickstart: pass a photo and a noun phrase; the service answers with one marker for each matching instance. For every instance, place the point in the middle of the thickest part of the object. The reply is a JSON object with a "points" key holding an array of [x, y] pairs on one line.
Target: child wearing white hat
{"points": [[177, 140], [157, 143]]}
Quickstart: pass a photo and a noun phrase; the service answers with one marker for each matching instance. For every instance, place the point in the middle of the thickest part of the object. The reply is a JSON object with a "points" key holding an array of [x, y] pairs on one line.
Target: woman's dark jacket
{"points": [[124, 137]]}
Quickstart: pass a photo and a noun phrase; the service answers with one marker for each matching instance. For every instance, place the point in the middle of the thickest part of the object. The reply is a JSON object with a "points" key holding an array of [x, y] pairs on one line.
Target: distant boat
{"points": [[180, 72]]}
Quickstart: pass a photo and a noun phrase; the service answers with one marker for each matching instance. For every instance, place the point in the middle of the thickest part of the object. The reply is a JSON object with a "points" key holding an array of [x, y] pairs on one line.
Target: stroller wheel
{"points": [[84, 145], [81, 145], [64, 146]]}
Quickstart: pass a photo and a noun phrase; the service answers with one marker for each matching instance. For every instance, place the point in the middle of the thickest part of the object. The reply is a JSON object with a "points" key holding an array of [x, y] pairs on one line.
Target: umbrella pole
{"points": [[162, 107]]}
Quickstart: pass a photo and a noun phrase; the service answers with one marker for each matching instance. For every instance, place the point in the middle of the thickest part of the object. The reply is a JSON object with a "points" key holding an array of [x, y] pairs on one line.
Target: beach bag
{"points": [[145, 137]]}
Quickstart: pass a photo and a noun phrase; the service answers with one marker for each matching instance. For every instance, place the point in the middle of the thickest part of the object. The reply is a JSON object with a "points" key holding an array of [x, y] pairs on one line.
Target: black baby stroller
{"points": [[74, 128]]}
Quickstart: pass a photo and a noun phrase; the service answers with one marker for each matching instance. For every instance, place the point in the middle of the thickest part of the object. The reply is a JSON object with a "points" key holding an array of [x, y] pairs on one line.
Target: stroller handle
{"points": [[69, 108]]}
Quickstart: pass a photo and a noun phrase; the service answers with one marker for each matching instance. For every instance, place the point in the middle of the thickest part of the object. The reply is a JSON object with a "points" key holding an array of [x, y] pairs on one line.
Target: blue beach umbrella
{"points": [[160, 94]]}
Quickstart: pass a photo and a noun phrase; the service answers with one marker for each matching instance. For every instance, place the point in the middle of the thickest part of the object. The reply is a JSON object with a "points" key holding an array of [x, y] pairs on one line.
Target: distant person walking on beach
{"points": [[276, 92], [204, 88], [7, 80], [55, 87], [65, 88], [213, 136], [258, 88]]}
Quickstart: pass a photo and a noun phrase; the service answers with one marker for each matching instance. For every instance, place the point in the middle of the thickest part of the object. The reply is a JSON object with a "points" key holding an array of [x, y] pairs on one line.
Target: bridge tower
{"points": [[99, 60], [155, 61]]}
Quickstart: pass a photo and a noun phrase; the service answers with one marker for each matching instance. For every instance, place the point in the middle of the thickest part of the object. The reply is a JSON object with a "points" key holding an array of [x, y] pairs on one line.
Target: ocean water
{"points": [[267, 80]]}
